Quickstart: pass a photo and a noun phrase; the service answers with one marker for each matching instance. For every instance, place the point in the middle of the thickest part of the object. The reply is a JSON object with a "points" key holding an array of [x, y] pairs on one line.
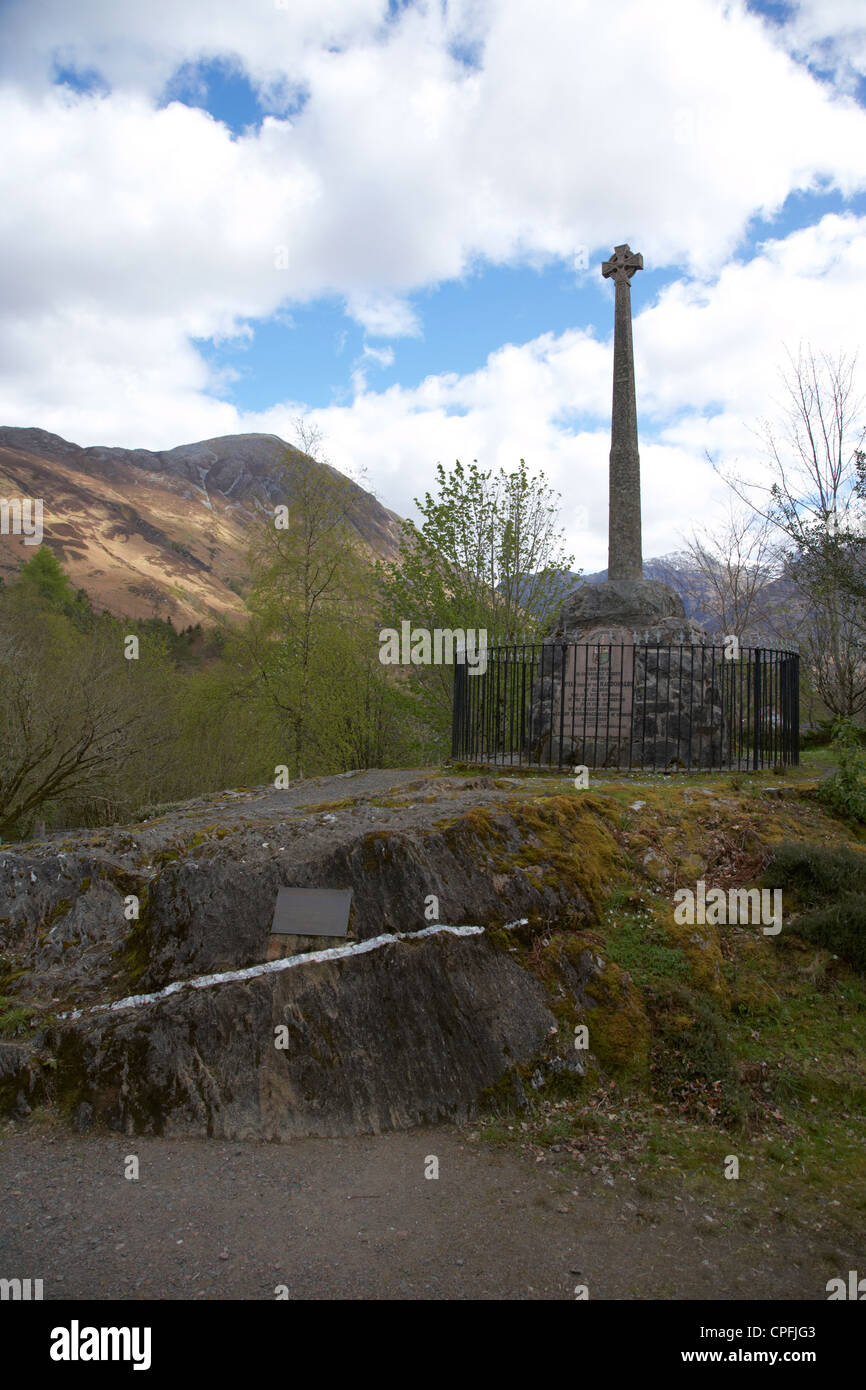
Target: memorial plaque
{"points": [[312, 912], [598, 688]]}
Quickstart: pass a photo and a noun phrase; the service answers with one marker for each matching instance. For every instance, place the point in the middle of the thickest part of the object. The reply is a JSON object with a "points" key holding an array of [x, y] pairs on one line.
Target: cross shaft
{"points": [[625, 557]]}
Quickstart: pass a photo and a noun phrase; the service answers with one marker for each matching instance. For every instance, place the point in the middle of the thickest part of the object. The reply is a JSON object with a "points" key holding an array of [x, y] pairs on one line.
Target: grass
{"points": [[16, 1018], [638, 944], [771, 1066]]}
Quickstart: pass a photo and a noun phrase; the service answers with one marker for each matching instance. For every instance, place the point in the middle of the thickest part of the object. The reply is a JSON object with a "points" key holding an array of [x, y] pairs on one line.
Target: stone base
{"points": [[663, 703], [635, 604]]}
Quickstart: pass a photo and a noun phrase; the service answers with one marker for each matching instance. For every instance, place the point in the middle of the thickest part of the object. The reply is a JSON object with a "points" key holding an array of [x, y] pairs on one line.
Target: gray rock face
{"points": [[404, 1035], [20, 1081], [406, 1032], [216, 913], [62, 921]]}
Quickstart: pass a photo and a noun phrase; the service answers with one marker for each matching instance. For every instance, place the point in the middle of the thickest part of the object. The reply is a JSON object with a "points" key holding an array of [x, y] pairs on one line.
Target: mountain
{"points": [[683, 576], [160, 533], [675, 570], [696, 591]]}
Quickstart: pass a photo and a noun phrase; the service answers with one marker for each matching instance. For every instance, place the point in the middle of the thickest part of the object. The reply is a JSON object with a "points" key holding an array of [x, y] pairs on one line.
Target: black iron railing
{"points": [[563, 704]]}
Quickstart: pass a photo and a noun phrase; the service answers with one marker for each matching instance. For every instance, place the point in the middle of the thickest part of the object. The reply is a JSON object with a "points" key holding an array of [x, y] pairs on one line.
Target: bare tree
{"points": [[812, 498], [70, 724], [831, 642], [735, 564]]}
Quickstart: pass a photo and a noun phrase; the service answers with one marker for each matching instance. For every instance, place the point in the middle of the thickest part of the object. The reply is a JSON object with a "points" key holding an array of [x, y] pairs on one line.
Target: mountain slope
{"points": [[164, 532], [696, 591]]}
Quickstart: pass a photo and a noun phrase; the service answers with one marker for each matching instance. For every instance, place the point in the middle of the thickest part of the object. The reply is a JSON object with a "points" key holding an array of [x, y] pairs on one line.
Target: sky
{"points": [[389, 216]]}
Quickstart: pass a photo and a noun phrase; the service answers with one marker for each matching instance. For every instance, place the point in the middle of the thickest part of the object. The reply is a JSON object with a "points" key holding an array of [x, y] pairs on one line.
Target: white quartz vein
{"points": [[358, 948]]}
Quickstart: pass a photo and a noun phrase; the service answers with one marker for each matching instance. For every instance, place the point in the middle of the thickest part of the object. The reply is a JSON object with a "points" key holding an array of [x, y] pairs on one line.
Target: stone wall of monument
{"points": [[653, 698]]}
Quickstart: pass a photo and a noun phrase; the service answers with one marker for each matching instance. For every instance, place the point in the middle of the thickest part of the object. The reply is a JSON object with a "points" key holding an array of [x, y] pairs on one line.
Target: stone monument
{"points": [[625, 599], [621, 669]]}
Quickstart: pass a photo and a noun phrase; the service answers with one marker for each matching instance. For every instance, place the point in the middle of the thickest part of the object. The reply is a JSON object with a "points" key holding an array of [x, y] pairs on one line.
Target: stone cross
{"points": [[624, 560]]}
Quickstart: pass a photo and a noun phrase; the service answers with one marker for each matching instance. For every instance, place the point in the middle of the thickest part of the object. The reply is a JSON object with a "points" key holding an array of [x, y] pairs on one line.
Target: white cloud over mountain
{"points": [[129, 230]]}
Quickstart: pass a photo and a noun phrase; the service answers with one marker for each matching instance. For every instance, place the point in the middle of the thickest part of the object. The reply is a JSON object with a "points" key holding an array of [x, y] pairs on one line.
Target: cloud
{"points": [[130, 230], [831, 35], [380, 357], [383, 315], [383, 357], [141, 47], [670, 125]]}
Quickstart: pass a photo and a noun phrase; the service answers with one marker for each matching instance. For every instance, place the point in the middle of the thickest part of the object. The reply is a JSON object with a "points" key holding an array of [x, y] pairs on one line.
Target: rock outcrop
{"points": [[407, 1022], [404, 1035]]}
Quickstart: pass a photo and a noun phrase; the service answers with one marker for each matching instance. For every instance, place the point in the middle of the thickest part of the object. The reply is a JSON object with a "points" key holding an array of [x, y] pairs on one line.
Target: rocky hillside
{"points": [[407, 1022], [491, 920], [159, 533]]}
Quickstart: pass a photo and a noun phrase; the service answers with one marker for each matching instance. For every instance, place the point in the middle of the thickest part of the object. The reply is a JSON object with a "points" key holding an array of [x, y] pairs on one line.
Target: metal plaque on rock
{"points": [[312, 912]]}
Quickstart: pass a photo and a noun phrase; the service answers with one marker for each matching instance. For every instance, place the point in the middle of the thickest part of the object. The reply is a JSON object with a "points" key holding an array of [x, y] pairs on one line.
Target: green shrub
{"points": [[819, 735], [840, 927], [813, 874], [845, 791], [692, 1060]]}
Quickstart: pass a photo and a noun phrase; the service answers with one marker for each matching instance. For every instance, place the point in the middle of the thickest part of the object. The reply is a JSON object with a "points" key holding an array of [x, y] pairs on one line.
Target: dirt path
{"points": [[312, 791], [356, 1218]]}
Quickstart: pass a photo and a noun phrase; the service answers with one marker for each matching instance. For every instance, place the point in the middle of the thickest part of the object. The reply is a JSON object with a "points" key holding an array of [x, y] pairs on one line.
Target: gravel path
{"points": [[312, 791], [356, 1218]]}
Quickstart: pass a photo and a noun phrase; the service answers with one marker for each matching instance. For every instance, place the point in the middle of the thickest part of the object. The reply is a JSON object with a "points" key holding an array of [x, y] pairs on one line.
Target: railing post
{"points": [[563, 655], [795, 701], [757, 710], [459, 708]]}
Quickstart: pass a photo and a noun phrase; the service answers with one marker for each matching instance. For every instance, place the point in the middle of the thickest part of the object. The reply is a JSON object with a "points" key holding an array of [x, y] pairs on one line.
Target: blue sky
{"points": [[312, 350], [443, 181]]}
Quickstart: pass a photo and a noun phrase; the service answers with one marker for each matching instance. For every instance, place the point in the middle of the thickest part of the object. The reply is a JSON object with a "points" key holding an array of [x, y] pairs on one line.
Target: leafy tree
{"points": [[43, 579], [310, 648], [845, 791], [486, 556]]}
